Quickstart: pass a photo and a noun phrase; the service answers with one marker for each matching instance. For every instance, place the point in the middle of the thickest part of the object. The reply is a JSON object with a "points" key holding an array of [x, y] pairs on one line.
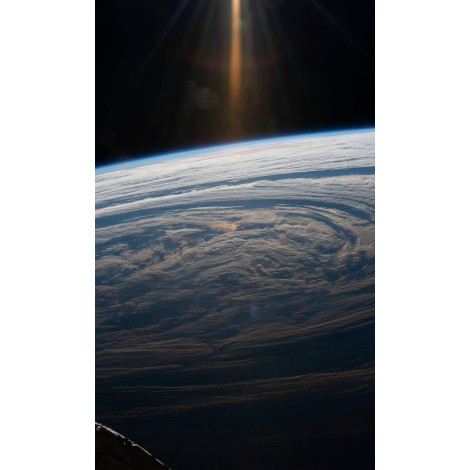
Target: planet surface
{"points": [[235, 303]]}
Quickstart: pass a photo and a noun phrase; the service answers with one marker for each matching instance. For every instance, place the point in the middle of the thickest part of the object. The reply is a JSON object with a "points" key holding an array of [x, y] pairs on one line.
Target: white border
{"points": [[47, 260], [422, 321], [47, 194]]}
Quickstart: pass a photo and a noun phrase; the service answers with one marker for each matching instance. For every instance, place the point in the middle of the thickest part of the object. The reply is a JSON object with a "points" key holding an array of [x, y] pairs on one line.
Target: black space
{"points": [[162, 84]]}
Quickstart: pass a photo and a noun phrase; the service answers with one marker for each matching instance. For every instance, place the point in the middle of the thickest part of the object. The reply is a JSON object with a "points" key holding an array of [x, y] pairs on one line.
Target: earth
{"points": [[235, 303]]}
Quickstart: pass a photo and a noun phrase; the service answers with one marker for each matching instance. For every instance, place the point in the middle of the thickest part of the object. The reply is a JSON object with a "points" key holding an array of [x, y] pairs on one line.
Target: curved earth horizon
{"points": [[235, 303]]}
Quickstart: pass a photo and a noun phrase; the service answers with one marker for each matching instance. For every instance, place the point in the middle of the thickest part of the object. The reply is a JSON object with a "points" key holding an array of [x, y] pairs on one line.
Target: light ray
{"points": [[235, 56], [329, 17], [204, 14], [181, 7]]}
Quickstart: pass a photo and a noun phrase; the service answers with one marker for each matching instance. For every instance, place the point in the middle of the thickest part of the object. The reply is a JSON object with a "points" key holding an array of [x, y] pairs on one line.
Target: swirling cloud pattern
{"points": [[233, 278]]}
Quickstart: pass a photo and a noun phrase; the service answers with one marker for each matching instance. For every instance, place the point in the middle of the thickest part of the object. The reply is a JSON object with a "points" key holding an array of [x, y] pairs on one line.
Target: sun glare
{"points": [[235, 56]]}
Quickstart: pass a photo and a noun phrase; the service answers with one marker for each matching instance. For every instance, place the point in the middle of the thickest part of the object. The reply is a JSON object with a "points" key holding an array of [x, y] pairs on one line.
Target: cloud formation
{"points": [[236, 276]]}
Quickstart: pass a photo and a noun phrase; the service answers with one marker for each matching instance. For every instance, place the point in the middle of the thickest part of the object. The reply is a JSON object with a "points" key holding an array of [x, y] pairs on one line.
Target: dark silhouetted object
{"points": [[116, 452]]}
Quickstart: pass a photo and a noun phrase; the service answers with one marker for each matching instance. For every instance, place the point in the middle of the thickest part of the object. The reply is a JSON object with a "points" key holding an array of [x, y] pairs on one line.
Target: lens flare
{"points": [[235, 56]]}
